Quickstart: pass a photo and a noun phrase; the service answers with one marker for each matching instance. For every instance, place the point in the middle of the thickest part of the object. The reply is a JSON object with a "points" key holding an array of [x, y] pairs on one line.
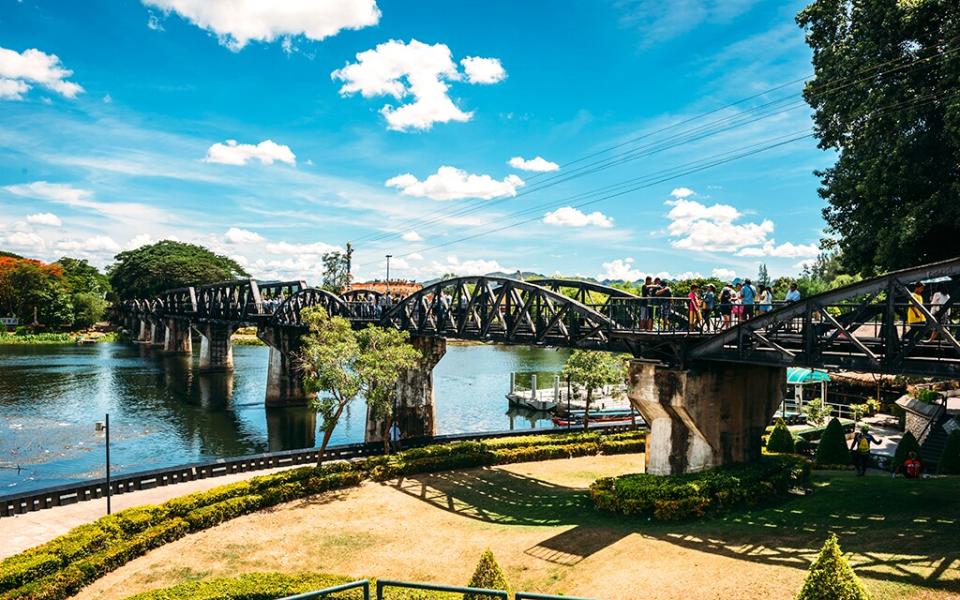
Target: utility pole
{"points": [[349, 265], [389, 256]]}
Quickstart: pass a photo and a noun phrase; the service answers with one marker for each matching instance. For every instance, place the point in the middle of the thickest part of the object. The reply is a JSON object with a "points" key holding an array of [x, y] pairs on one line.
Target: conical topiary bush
{"points": [[907, 444], [831, 577], [488, 574], [780, 440], [832, 449], [950, 460]]}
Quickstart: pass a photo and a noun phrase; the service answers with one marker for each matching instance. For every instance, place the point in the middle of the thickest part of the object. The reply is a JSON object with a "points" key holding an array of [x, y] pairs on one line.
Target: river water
{"points": [[164, 413]]}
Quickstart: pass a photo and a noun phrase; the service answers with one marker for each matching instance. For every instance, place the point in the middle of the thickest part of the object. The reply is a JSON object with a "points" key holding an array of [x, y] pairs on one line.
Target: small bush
{"points": [[950, 460], [781, 440], [26, 568], [831, 577], [253, 586], [668, 498], [487, 575], [833, 446], [908, 443]]}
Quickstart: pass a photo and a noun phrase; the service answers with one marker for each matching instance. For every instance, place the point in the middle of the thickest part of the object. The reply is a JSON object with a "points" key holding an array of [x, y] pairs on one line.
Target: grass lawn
{"points": [[901, 535]]}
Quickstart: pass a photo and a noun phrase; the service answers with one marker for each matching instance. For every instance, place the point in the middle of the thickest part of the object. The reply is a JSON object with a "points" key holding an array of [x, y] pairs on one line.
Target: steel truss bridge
{"points": [[861, 326]]}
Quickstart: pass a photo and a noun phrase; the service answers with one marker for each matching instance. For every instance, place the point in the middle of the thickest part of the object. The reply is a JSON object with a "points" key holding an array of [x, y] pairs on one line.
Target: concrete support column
{"points": [[284, 379], [144, 333], [216, 351], [705, 417], [158, 335], [415, 410], [177, 340]]}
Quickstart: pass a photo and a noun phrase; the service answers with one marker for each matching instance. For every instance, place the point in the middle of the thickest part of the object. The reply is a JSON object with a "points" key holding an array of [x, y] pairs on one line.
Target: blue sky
{"points": [[275, 134]]}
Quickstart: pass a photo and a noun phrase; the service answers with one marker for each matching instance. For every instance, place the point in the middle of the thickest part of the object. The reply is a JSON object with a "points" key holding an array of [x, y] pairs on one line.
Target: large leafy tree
{"points": [[885, 99], [593, 369], [87, 288], [340, 364], [151, 269], [30, 288], [336, 271]]}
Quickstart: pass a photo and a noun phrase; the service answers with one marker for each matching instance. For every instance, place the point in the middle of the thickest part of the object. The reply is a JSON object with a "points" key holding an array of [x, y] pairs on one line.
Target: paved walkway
{"points": [[20, 532]]}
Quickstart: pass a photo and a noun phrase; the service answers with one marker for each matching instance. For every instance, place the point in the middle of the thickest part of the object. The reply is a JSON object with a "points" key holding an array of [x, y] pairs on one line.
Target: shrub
{"points": [[253, 586], [214, 514], [780, 440], [24, 568], [908, 443], [487, 575], [831, 577], [697, 494], [817, 411], [833, 446], [950, 460]]}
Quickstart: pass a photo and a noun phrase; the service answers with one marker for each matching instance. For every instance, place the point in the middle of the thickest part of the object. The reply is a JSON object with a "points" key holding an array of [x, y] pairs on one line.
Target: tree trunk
{"points": [[328, 431], [586, 409]]}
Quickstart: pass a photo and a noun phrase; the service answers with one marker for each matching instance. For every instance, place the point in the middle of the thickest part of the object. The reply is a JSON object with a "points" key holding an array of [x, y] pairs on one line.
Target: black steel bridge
{"points": [[862, 326]]}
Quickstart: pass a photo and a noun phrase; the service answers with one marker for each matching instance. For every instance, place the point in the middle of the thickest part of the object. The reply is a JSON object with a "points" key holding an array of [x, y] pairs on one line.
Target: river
{"points": [[164, 413]]}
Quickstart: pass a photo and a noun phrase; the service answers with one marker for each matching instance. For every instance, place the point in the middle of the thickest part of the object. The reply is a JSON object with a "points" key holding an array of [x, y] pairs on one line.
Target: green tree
{"points": [[488, 575], [593, 369], [763, 278], [151, 269], [87, 288], [832, 449], [908, 443], [30, 288], [339, 364], [831, 577], [950, 459], [781, 440], [336, 271], [894, 192]]}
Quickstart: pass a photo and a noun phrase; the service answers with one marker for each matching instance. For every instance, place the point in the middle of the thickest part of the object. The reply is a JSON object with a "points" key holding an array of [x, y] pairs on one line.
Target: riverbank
{"points": [[50, 338]]}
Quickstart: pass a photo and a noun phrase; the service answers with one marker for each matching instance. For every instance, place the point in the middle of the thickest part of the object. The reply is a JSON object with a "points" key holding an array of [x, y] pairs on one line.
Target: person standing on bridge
{"points": [[937, 307], [793, 295], [694, 315], [726, 304], [645, 303], [915, 319], [765, 300], [748, 297], [709, 304]]}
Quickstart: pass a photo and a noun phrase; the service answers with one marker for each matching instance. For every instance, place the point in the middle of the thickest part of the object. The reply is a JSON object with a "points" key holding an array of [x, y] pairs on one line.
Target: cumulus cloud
{"points": [[620, 268], [412, 236], [538, 164], [682, 192], [232, 153], [724, 274], [27, 242], [312, 249], [483, 70], [48, 219], [451, 183], [19, 69], [235, 235], [127, 213], [695, 226], [403, 70], [786, 250], [471, 267], [569, 216], [238, 23], [93, 245]]}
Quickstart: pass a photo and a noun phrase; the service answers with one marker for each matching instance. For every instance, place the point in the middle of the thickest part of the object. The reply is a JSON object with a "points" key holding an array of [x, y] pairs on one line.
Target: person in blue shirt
{"points": [[747, 295], [794, 294]]}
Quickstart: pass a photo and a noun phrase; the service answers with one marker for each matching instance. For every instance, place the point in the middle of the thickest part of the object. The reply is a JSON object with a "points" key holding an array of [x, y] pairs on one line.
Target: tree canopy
{"points": [[593, 369], [885, 100], [30, 288], [165, 265]]}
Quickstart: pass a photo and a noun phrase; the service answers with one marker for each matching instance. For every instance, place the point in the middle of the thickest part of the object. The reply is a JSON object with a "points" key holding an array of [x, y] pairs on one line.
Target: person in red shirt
{"points": [[911, 468]]}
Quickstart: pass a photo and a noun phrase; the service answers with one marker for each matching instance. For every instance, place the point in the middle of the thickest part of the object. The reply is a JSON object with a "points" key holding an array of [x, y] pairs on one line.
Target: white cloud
{"points": [[93, 245], [621, 268], [469, 268], [401, 70], [412, 236], [236, 23], [568, 216], [786, 250], [682, 192], [538, 164], [130, 213], [232, 153], [314, 249], [139, 240], [695, 226], [483, 70], [25, 241], [48, 219], [236, 235], [724, 274], [18, 69], [451, 183]]}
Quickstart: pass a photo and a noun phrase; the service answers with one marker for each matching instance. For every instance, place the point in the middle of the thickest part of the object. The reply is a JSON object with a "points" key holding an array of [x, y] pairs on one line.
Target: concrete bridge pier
{"points": [[178, 339], [284, 379], [144, 333], [415, 409], [704, 417], [216, 350], [158, 334]]}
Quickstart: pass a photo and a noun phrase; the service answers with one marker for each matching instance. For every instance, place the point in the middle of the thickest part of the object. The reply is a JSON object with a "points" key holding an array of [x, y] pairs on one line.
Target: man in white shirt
{"points": [[937, 303], [794, 294], [395, 437]]}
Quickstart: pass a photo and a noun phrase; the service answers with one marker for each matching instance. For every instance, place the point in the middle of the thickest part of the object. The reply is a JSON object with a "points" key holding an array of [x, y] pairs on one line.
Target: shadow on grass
{"points": [[896, 530]]}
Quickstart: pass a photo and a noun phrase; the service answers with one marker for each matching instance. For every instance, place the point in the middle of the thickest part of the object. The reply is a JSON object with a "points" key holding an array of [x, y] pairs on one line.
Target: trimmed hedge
{"points": [[62, 566], [488, 575], [831, 576], [781, 440], [832, 449], [253, 586], [699, 494]]}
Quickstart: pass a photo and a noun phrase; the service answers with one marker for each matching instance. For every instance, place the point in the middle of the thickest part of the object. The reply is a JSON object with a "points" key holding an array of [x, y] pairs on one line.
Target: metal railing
{"points": [[382, 585], [62, 495]]}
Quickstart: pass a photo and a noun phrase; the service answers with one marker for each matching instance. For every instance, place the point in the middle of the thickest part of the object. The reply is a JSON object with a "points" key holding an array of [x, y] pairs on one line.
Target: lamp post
{"points": [[389, 256], [105, 427]]}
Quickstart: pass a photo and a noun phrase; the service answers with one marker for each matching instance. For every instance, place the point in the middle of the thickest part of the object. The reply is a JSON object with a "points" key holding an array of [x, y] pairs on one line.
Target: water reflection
{"points": [[164, 412]]}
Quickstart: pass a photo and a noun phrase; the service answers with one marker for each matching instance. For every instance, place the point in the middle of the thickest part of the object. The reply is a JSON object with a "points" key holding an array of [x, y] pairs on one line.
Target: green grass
{"points": [[9, 339], [901, 534]]}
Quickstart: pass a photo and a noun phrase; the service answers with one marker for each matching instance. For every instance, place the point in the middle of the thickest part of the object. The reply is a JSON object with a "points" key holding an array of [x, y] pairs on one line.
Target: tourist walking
{"points": [[937, 307], [694, 316], [726, 305], [860, 449], [915, 319]]}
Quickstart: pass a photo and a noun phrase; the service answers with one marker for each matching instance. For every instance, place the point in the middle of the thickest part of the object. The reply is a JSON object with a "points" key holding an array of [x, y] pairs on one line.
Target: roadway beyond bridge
{"points": [[706, 391]]}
